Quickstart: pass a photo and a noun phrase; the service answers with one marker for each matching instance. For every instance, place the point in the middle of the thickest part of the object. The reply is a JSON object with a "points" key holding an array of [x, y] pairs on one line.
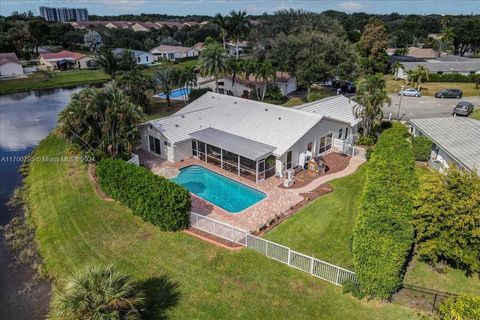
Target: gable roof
{"points": [[445, 66], [62, 55], [170, 49], [457, 136], [337, 107], [272, 125], [136, 53], [8, 57]]}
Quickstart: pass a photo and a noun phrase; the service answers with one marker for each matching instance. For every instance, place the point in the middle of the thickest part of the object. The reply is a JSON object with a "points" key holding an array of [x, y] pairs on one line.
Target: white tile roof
{"points": [[459, 137], [337, 107]]}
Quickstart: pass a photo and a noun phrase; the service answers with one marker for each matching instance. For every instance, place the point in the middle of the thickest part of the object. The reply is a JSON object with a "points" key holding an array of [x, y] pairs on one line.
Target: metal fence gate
{"points": [[275, 251]]}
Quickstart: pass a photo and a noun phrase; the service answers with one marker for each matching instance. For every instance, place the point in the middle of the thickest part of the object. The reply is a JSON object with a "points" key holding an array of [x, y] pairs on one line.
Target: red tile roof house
{"points": [[10, 66], [65, 60]]}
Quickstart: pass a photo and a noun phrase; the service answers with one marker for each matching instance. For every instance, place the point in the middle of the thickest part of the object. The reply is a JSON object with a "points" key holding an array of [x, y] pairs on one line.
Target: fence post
{"points": [[311, 265], [434, 302], [289, 251], [266, 248], [338, 275]]}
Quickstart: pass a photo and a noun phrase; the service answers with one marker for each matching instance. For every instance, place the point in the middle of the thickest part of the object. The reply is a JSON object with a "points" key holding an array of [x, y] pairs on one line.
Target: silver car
{"points": [[410, 92]]}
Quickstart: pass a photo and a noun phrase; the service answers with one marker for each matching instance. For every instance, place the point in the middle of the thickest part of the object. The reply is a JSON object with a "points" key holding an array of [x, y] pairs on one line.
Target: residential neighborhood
{"points": [[240, 159]]}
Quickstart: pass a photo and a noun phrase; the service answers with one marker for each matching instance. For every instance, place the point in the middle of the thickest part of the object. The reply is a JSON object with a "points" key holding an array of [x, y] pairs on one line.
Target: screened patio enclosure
{"points": [[244, 157]]}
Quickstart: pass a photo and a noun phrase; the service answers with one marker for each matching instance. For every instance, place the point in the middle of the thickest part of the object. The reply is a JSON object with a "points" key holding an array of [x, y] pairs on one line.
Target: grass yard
{"points": [[324, 228], [476, 114], [292, 102], [429, 88], [58, 80], [188, 278]]}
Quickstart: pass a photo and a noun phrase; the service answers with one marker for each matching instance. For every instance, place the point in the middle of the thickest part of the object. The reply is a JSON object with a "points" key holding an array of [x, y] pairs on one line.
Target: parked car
{"points": [[410, 92], [449, 93], [348, 87], [463, 108]]}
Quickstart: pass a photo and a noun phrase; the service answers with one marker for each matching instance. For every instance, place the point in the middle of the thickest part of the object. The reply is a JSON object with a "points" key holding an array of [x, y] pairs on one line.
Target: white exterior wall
{"points": [[145, 58], [83, 63], [287, 87], [182, 151], [237, 89], [11, 69], [146, 131]]}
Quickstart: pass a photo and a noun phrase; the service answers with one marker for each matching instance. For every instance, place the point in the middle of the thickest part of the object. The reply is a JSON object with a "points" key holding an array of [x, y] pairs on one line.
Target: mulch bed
{"points": [[336, 162]]}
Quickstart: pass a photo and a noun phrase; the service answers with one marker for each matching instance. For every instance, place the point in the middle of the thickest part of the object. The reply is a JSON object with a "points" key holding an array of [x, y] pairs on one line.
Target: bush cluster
{"points": [[453, 77], [383, 235], [154, 198], [463, 307], [422, 147]]}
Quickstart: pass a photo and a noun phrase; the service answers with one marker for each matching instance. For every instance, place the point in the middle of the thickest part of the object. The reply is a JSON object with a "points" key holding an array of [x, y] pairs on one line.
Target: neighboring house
{"points": [[441, 66], [134, 25], [199, 46], [417, 53], [173, 52], [65, 60], [242, 47], [242, 87], [142, 57], [456, 141], [10, 66], [336, 107], [253, 139], [145, 26]]}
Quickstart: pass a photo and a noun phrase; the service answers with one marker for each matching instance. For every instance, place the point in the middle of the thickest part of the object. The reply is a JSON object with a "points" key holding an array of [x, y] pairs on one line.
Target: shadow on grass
{"points": [[161, 294]]}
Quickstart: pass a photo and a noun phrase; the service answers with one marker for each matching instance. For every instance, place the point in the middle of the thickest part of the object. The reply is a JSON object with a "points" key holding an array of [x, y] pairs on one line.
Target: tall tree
{"points": [[239, 26], [417, 76], [222, 23], [188, 79], [38, 30], [136, 84], [266, 74], [98, 293], [373, 44], [371, 96], [108, 61], [102, 121], [213, 62], [92, 40], [166, 78]]}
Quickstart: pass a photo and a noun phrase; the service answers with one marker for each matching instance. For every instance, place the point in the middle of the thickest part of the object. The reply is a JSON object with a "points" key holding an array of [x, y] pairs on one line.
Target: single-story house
{"points": [[173, 52], [142, 57], [242, 47], [145, 26], [336, 107], [415, 52], [242, 87], [10, 66], [441, 66], [456, 141], [65, 60], [253, 139]]}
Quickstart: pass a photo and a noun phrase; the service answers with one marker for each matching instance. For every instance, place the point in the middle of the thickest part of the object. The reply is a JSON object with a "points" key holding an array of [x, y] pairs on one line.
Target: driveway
{"points": [[424, 107]]}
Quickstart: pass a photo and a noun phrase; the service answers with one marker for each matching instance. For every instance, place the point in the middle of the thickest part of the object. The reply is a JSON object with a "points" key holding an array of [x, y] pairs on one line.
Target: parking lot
{"points": [[424, 107]]}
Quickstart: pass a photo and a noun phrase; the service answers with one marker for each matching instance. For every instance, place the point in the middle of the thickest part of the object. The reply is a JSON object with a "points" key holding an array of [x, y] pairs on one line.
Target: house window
{"points": [[166, 143], [340, 133], [139, 59], [146, 57], [325, 143], [289, 159], [346, 133], [309, 146], [154, 145], [440, 72]]}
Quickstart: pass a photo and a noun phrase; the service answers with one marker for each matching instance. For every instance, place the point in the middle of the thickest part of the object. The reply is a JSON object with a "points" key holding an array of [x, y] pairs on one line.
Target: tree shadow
{"points": [[160, 294]]}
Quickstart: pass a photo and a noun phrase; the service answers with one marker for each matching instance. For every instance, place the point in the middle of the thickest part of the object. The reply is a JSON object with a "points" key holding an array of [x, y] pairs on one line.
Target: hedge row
{"points": [[422, 147], [154, 198], [453, 77], [383, 235]]}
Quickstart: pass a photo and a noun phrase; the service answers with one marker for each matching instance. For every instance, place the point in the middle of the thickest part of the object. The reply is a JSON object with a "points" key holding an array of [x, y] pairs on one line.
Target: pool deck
{"points": [[277, 202]]}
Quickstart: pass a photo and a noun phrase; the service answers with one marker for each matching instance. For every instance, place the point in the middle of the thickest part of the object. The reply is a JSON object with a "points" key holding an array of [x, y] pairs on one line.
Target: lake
{"points": [[25, 119]]}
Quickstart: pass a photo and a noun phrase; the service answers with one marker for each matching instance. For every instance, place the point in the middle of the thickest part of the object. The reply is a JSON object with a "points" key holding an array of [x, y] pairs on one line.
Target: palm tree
{"points": [[108, 61], [395, 68], [213, 62], [235, 68], [419, 75], [371, 95], [166, 78], [98, 293], [103, 122], [135, 84], [239, 26], [188, 78], [222, 24], [266, 73]]}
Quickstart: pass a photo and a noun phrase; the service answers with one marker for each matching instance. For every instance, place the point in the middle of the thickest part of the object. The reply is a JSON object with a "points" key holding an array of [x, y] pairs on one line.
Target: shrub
{"points": [[197, 93], [351, 287], [368, 153], [461, 308], [385, 124], [383, 235], [154, 198], [422, 147], [447, 219], [366, 141], [453, 77]]}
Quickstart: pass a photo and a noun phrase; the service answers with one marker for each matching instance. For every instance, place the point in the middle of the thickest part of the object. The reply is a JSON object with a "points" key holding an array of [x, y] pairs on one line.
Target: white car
{"points": [[410, 92]]}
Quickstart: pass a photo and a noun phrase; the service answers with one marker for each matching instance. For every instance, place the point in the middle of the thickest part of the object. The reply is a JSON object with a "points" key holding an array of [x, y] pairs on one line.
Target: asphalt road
{"points": [[425, 107]]}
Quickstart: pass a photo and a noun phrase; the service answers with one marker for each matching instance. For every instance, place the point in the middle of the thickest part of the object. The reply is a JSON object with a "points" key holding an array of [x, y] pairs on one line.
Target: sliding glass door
{"points": [[154, 145]]}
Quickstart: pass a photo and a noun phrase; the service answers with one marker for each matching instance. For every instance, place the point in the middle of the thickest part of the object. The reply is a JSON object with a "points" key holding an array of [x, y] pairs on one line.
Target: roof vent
{"points": [[235, 102], [266, 109], [279, 118], [183, 116], [177, 125]]}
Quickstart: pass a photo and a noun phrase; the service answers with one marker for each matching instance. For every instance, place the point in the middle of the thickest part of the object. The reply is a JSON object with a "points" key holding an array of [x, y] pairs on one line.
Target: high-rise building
{"points": [[64, 14]]}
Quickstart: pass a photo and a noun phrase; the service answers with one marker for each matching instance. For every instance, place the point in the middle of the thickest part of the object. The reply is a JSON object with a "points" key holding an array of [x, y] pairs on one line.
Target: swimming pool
{"points": [[179, 93], [217, 189]]}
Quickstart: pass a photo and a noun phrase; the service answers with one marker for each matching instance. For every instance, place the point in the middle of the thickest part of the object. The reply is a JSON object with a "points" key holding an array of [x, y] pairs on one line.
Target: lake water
{"points": [[25, 119]]}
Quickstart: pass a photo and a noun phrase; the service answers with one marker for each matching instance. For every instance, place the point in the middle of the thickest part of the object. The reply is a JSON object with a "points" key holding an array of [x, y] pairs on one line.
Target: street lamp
{"points": [[399, 103]]}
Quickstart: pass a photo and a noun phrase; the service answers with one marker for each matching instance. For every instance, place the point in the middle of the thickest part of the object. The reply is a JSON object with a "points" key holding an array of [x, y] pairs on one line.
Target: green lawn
{"points": [[323, 229], [58, 80], [292, 102], [429, 88], [476, 114], [194, 279]]}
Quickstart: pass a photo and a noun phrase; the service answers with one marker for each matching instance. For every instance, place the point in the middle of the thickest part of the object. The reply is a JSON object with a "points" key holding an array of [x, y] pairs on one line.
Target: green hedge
{"points": [[383, 235], [422, 147], [453, 77], [154, 198], [463, 307]]}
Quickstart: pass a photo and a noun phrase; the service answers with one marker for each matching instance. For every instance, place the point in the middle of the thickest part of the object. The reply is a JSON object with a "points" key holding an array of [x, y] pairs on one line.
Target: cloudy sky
{"points": [[210, 7]]}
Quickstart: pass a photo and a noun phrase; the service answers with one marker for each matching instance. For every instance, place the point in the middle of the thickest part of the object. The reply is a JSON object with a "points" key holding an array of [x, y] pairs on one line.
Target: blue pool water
{"points": [[177, 93], [217, 189]]}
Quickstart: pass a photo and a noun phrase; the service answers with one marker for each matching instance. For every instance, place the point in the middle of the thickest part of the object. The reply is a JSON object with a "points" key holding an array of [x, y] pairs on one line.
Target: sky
{"points": [[211, 7]]}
